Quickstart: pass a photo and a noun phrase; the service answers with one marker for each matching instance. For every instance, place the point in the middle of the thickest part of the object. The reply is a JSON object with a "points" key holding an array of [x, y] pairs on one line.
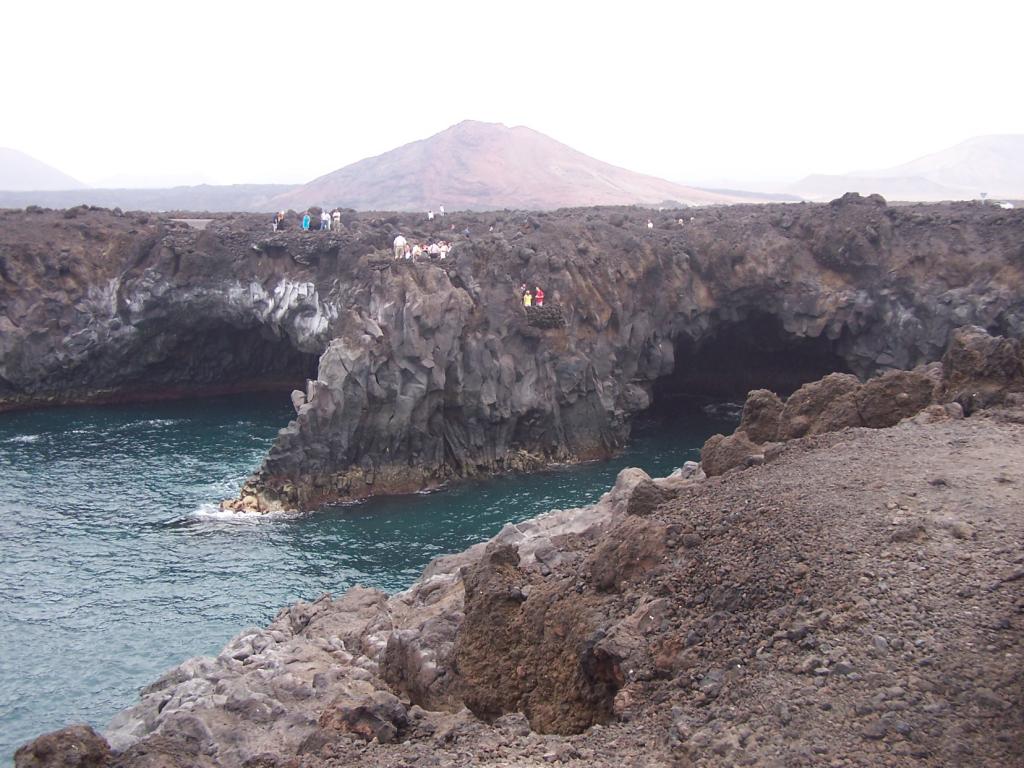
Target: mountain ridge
{"points": [[479, 166], [991, 164], [21, 172]]}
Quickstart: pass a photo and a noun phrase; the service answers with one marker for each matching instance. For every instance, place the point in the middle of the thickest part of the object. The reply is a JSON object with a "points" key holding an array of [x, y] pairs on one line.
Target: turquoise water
{"points": [[114, 565]]}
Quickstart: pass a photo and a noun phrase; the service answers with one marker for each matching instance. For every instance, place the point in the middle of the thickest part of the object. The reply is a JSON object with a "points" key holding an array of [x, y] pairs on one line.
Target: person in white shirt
{"points": [[430, 215], [336, 220], [443, 250], [399, 246], [650, 224], [434, 250], [325, 219], [441, 210]]}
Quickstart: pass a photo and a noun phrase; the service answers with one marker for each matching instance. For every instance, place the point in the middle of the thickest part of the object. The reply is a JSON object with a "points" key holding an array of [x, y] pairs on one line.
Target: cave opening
{"points": [[218, 358], [753, 353]]}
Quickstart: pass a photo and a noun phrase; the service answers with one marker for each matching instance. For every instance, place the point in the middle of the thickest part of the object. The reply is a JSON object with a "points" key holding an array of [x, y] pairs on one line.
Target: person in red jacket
{"points": [[538, 297]]}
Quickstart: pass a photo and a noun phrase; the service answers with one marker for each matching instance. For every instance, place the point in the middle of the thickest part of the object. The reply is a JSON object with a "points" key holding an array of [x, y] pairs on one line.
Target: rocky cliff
{"points": [[413, 374]]}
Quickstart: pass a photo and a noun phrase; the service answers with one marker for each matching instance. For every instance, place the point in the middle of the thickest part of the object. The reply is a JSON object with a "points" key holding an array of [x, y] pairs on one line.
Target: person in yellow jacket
{"points": [[527, 299]]}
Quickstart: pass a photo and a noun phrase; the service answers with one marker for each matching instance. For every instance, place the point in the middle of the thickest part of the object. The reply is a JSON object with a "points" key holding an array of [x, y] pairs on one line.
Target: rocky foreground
{"points": [[845, 596]]}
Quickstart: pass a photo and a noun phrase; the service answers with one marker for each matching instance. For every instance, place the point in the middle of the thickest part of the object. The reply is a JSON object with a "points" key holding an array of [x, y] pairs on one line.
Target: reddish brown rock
{"points": [[77, 746], [720, 453], [821, 406], [893, 396], [532, 648], [761, 413]]}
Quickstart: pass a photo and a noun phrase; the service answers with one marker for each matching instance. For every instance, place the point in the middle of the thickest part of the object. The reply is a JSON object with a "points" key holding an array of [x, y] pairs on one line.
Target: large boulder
{"points": [[761, 413], [820, 406], [77, 746], [887, 399], [721, 453], [980, 369], [631, 550]]}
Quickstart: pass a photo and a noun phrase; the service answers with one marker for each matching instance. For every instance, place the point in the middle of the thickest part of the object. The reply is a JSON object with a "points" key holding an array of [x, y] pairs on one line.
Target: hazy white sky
{"points": [[282, 92]]}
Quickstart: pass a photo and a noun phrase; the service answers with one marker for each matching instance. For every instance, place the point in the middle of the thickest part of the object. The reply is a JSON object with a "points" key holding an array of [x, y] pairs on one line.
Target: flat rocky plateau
{"points": [[855, 601]]}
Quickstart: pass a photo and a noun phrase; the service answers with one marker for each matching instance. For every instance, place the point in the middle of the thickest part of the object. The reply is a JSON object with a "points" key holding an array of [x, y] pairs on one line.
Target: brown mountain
{"points": [[482, 166]]}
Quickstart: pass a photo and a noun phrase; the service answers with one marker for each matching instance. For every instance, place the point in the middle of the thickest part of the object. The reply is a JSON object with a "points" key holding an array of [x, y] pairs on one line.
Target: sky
{"points": [[699, 92]]}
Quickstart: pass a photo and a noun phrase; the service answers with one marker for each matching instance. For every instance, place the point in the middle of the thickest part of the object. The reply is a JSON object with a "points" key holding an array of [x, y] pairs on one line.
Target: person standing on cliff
{"points": [[325, 220], [527, 299], [336, 216], [305, 222], [538, 296], [399, 246]]}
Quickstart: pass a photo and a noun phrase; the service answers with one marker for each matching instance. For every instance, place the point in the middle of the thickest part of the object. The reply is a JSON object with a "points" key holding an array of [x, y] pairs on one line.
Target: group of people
{"points": [[534, 298], [435, 249], [327, 221]]}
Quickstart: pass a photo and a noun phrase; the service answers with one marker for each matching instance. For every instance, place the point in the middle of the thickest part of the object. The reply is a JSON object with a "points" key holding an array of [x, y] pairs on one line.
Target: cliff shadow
{"points": [[213, 357]]}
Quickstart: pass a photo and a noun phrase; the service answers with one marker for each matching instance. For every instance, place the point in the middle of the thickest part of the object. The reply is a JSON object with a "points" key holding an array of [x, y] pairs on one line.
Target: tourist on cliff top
{"points": [[430, 215], [417, 250], [650, 224], [399, 246], [527, 299], [273, 223], [305, 222], [443, 249], [408, 251], [441, 210], [325, 220], [337, 219], [434, 250], [538, 297]]}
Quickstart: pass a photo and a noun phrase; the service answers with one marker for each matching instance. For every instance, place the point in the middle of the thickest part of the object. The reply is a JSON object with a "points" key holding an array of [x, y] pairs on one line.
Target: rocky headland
{"points": [[410, 375], [844, 590]]}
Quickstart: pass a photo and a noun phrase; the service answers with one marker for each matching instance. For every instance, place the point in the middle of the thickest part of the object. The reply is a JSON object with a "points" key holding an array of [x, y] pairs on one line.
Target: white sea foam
{"points": [[160, 422], [214, 513], [23, 439]]}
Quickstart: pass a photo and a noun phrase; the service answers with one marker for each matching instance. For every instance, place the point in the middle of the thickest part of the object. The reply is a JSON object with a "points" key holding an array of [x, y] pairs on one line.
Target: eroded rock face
{"points": [[423, 372]]}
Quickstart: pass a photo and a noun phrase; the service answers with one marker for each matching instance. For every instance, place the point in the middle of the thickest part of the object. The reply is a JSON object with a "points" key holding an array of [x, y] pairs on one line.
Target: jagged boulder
{"points": [[532, 648], [77, 746], [820, 406], [418, 662], [721, 453], [761, 413], [632, 549], [980, 369], [646, 497], [370, 715], [895, 395]]}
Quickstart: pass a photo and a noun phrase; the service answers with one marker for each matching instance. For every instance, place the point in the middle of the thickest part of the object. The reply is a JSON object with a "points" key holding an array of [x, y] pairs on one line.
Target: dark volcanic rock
{"points": [[415, 373]]}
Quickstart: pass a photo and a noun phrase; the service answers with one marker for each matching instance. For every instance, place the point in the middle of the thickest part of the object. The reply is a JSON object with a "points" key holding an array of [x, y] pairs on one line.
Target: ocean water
{"points": [[115, 564]]}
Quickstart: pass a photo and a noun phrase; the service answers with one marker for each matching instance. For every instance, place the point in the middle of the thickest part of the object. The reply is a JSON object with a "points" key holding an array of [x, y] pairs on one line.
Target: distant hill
{"points": [[205, 197], [991, 164], [19, 171], [481, 166]]}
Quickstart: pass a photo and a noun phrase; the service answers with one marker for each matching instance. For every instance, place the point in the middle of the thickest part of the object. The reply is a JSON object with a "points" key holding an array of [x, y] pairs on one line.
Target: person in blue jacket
{"points": [[305, 222]]}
